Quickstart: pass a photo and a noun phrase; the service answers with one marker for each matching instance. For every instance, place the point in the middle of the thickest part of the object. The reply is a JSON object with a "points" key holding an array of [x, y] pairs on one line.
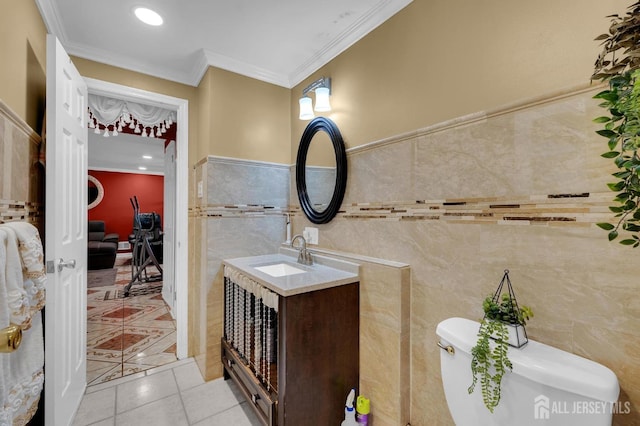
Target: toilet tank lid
{"points": [[541, 363]]}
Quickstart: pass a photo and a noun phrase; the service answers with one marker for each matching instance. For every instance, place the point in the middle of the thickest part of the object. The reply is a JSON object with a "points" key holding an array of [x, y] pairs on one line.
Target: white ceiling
{"points": [[124, 153], [277, 41]]}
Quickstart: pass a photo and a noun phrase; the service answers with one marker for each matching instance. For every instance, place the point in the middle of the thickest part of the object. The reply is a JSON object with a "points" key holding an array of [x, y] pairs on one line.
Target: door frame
{"points": [[181, 106]]}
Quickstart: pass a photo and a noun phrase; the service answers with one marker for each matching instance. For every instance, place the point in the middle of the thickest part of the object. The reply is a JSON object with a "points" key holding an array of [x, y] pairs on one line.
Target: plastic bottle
{"points": [[363, 408], [349, 411]]}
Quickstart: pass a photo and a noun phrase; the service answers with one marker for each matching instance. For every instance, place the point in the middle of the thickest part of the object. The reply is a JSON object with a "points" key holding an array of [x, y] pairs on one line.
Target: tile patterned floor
{"points": [[173, 395], [127, 335]]}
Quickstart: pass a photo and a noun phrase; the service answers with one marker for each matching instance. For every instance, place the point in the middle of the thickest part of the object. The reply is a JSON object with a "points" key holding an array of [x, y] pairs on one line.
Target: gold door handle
{"points": [[10, 338]]}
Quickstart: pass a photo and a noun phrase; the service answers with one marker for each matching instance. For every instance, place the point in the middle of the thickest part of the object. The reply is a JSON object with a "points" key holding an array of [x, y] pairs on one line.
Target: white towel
{"points": [[32, 257], [6, 415], [17, 297], [22, 283]]}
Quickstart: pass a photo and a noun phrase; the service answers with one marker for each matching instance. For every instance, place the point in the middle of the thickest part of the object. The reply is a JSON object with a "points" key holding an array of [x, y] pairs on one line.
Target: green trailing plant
{"points": [[489, 364], [619, 65], [506, 311]]}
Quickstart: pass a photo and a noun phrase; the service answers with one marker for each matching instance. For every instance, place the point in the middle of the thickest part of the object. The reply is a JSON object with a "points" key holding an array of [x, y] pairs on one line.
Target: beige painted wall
{"points": [[229, 115], [23, 58], [440, 59], [96, 70], [245, 118]]}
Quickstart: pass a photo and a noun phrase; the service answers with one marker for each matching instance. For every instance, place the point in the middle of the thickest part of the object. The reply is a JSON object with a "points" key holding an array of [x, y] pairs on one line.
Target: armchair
{"points": [[101, 247]]}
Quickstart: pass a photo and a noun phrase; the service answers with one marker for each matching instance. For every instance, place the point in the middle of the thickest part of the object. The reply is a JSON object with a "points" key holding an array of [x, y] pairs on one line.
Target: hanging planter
{"points": [[503, 325], [503, 307], [516, 335]]}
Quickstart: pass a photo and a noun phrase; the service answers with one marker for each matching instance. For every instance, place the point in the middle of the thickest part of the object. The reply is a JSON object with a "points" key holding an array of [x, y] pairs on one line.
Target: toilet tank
{"points": [[547, 386]]}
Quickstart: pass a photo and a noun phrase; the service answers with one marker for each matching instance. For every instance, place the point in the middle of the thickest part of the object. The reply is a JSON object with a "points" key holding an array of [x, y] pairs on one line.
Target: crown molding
{"points": [[126, 62], [246, 69], [199, 68], [381, 12], [377, 15], [51, 17]]}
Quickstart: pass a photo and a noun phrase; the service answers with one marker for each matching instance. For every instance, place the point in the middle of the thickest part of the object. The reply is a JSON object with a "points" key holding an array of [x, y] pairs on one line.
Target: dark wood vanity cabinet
{"points": [[317, 359]]}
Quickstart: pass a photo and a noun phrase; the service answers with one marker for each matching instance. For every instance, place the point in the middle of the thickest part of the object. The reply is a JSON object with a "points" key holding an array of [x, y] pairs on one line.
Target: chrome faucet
{"points": [[304, 257]]}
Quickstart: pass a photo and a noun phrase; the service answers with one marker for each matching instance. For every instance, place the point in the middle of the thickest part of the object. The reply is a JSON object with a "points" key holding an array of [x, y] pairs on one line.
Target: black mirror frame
{"points": [[328, 126]]}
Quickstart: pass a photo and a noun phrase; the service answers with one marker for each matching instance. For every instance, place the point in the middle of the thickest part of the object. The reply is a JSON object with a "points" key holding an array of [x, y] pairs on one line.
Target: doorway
{"points": [[176, 261], [127, 331]]}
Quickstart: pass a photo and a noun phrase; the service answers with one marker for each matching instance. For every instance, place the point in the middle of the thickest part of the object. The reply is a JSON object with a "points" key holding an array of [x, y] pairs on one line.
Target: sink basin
{"points": [[280, 273], [280, 270]]}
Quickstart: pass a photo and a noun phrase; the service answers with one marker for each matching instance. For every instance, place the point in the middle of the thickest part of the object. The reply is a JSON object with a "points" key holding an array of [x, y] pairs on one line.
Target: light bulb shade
{"points": [[306, 109], [322, 99]]}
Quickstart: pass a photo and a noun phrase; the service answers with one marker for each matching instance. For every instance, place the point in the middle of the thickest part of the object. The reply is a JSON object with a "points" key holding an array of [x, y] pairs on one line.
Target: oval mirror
{"points": [[321, 170], [96, 192]]}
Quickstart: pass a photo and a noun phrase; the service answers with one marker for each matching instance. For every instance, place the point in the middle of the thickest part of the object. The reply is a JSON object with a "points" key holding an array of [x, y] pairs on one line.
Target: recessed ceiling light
{"points": [[147, 157], [142, 168], [148, 16]]}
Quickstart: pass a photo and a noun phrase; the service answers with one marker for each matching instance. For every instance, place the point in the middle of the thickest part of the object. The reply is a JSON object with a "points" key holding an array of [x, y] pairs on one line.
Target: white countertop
{"points": [[325, 272]]}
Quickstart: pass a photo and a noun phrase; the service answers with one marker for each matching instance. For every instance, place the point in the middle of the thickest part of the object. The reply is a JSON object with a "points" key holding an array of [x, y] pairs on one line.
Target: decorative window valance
{"points": [[112, 115]]}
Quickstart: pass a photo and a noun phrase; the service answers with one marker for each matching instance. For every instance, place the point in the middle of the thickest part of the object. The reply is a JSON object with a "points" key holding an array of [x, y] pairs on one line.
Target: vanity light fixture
{"points": [[306, 109], [148, 16], [322, 88]]}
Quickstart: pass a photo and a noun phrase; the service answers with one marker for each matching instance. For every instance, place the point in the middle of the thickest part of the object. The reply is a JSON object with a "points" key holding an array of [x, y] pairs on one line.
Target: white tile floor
{"points": [[173, 395]]}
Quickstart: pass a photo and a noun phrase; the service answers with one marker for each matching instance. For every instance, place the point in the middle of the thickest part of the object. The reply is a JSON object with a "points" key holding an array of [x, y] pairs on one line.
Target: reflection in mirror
{"points": [[320, 171]]}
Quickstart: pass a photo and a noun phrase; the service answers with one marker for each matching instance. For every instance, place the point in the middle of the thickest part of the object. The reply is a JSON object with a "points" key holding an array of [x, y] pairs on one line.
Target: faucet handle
{"points": [[302, 257], [306, 257]]}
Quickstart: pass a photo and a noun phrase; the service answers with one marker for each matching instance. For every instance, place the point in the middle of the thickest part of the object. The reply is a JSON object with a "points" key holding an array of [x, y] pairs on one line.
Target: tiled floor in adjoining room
{"points": [[126, 335], [173, 395]]}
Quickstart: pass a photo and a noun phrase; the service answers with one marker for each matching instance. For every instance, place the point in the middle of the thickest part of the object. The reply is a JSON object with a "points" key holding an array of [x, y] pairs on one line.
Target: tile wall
{"points": [[21, 177], [241, 213], [519, 188], [450, 207]]}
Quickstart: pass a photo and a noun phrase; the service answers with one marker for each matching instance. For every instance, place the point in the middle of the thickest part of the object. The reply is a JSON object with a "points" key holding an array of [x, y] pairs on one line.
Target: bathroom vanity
{"points": [[291, 336]]}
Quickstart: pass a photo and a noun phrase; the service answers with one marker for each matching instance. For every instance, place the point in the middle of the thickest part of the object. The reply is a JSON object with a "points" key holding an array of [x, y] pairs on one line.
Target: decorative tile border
{"points": [[581, 209], [12, 210], [236, 210], [17, 210]]}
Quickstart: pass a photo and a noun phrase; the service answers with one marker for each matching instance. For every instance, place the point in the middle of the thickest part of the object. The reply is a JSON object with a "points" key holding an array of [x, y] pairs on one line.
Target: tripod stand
{"points": [[142, 253]]}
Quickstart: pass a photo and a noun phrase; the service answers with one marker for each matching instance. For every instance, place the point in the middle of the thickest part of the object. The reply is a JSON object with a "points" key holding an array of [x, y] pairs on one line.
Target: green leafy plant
{"points": [[619, 65], [622, 130], [506, 311], [488, 365]]}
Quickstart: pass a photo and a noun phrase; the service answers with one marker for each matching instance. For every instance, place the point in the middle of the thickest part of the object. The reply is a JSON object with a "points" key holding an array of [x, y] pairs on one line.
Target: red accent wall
{"points": [[115, 208]]}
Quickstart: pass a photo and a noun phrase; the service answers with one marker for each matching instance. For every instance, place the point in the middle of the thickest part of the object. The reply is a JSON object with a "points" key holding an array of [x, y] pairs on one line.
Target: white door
{"points": [[168, 239], [66, 237]]}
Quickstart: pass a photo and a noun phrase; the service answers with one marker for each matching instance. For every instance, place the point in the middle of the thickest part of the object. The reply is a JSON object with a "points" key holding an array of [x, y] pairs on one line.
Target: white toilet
{"points": [[547, 386]]}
